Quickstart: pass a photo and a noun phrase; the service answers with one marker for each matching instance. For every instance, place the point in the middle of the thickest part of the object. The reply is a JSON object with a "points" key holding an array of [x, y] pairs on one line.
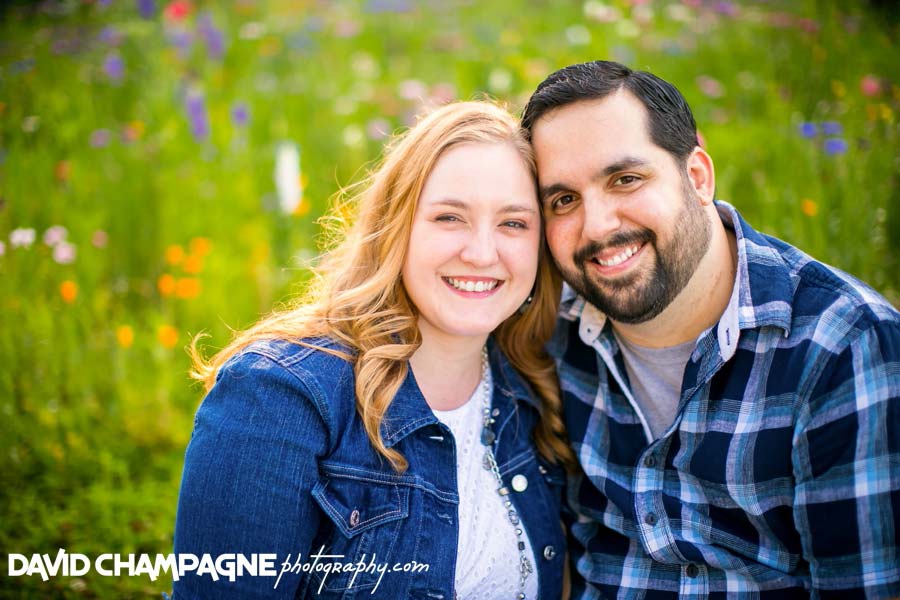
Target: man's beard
{"points": [[642, 295]]}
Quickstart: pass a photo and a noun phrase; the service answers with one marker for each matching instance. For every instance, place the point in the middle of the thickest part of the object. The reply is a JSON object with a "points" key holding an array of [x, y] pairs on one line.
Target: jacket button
{"points": [[549, 552], [692, 570], [519, 483], [650, 461], [354, 518], [650, 519]]}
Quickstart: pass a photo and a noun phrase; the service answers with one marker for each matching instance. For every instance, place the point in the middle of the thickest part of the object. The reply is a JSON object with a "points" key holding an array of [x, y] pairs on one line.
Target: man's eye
{"points": [[627, 179], [563, 201]]}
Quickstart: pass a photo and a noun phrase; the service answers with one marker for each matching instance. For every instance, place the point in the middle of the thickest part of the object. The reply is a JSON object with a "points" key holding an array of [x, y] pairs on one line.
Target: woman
{"points": [[403, 413]]}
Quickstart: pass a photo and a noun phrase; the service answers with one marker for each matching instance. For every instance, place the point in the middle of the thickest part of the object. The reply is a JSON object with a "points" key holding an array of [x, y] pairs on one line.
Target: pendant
{"points": [[487, 436]]}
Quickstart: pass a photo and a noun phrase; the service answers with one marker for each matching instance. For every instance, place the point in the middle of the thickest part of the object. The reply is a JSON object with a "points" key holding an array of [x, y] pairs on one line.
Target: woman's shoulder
{"points": [[319, 364]]}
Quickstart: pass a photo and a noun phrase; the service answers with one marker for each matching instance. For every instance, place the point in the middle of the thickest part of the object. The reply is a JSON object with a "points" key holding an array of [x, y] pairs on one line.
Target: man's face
{"points": [[624, 223]]}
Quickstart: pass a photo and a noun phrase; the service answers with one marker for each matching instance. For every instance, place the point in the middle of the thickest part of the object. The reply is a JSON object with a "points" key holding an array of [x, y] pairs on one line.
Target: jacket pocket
{"points": [[368, 514]]}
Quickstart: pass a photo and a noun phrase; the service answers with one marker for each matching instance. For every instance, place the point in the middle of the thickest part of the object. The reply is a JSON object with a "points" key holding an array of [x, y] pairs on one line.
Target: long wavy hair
{"points": [[356, 296]]}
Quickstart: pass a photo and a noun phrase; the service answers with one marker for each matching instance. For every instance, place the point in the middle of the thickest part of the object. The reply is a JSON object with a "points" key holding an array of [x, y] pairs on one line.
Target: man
{"points": [[734, 404]]}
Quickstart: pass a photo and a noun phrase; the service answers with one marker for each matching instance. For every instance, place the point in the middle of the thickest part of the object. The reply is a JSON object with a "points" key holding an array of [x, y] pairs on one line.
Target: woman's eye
{"points": [[447, 218], [516, 224]]}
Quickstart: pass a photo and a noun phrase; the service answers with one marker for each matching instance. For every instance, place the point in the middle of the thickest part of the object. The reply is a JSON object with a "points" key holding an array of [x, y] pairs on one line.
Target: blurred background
{"points": [[163, 164]]}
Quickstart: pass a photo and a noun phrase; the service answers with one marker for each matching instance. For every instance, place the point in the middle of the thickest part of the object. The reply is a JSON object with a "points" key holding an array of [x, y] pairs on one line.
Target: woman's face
{"points": [[473, 249]]}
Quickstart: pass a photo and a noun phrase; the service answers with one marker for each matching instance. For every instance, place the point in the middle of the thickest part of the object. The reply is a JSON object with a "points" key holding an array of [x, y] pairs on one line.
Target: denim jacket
{"points": [[279, 463]]}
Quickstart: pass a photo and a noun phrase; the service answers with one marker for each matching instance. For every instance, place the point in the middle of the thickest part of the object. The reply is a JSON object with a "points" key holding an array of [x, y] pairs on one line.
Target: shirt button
{"points": [[692, 570], [519, 483], [650, 461], [354, 518], [549, 552], [650, 519]]}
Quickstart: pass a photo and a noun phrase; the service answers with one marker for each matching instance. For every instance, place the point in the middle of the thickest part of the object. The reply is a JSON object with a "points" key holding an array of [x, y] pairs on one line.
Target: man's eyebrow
{"points": [[623, 164]]}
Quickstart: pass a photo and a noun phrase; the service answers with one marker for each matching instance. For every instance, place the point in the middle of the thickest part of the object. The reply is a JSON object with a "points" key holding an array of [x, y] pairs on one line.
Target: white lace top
{"points": [[487, 558]]}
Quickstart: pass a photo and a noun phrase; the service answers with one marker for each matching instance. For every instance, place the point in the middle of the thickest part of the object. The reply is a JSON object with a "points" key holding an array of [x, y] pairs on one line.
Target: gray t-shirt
{"points": [[655, 375]]}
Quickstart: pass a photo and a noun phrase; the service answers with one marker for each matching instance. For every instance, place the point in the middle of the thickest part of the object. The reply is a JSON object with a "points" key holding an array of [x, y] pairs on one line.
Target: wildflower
{"points": [[99, 239], [166, 285], [195, 105], [710, 87], [835, 146], [808, 25], [110, 35], [287, 176], [412, 89], [600, 12], [2, 248], [213, 36], [809, 207], [193, 264], [200, 246], [187, 287], [167, 335], [64, 253], [133, 131], [838, 88], [387, 6], [62, 171], [832, 128], [442, 93], [627, 28], [578, 35], [22, 237], [808, 130], [352, 136], [500, 81], [347, 28], [124, 336], [55, 235], [147, 8], [68, 290], [252, 30], [870, 85], [114, 67], [240, 114], [31, 123], [181, 39], [378, 129], [100, 138], [177, 10], [174, 254]]}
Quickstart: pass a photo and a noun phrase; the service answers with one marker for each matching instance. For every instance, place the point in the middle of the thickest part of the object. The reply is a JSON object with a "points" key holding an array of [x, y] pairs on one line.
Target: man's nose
{"points": [[601, 218], [480, 249]]}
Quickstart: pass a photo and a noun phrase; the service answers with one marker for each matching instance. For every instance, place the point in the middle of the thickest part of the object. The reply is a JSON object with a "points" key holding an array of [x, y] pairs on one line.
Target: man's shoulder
{"points": [[827, 300]]}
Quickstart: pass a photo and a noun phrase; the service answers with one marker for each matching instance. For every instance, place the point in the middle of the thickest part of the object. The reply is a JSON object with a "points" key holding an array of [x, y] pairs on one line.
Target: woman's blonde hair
{"points": [[356, 296]]}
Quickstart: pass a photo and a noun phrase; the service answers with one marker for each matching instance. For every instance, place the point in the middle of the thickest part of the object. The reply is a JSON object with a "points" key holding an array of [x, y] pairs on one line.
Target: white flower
{"points": [[287, 177], [22, 237]]}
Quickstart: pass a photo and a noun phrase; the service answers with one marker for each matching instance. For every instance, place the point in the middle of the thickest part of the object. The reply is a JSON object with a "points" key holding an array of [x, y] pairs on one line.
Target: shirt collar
{"points": [[761, 293], [409, 411]]}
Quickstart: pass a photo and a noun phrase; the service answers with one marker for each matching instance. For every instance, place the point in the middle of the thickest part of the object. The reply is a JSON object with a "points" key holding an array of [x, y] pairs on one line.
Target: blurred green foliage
{"points": [[138, 145]]}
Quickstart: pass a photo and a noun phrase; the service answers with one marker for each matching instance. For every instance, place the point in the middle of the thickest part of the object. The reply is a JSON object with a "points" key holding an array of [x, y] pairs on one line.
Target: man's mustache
{"points": [[622, 238]]}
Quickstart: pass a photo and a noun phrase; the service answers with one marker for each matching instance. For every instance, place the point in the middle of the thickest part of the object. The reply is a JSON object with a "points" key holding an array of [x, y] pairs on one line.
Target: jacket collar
{"points": [[409, 412]]}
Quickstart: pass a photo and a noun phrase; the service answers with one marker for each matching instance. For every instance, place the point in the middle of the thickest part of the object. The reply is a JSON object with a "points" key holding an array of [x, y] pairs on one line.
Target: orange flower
{"points": [[809, 207], [166, 284], [62, 171], [134, 131], [302, 208], [69, 291], [125, 336], [200, 246], [193, 264], [174, 254], [168, 336], [187, 287]]}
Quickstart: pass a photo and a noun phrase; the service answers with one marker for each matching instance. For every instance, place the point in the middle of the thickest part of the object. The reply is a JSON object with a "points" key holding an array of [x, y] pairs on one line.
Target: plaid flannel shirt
{"points": [[780, 476]]}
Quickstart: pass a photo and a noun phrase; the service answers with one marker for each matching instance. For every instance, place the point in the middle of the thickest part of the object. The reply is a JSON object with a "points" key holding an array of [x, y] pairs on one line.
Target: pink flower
{"points": [[711, 87], [413, 89], [2, 248], [64, 253], [23, 237], [870, 85], [99, 239], [55, 235]]}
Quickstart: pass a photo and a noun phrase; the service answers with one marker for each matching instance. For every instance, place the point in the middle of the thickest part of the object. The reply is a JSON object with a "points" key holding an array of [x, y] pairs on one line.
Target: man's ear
{"points": [[701, 175]]}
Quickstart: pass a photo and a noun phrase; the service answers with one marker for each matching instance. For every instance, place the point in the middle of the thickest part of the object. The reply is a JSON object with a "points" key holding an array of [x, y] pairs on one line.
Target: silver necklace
{"points": [[490, 463]]}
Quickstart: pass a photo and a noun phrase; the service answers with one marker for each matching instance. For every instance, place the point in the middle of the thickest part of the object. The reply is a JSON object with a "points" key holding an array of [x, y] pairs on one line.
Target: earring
{"points": [[525, 305]]}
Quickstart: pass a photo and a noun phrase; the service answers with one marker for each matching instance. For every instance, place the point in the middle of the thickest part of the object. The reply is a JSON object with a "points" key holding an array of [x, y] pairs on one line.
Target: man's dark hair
{"points": [[669, 117]]}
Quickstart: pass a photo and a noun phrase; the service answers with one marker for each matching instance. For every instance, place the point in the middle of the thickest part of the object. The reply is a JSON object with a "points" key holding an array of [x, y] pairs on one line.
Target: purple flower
{"points": [[387, 6], [240, 114], [808, 130], [147, 8], [100, 138], [195, 106], [110, 35], [114, 67], [181, 39], [832, 128], [22, 66], [64, 253], [835, 146], [212, 35], [726, 8]]}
